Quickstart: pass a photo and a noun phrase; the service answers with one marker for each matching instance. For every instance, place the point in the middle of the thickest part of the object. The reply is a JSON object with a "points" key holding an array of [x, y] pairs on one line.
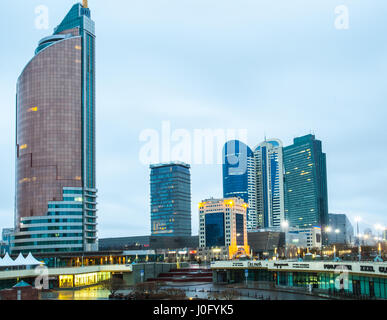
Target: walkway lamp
{"points": [[285, 227], [337, 231]]}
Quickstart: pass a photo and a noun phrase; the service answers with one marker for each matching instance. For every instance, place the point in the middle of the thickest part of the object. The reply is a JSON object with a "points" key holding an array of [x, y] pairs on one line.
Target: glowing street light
{"points": [[285, 224], [337, 231]]}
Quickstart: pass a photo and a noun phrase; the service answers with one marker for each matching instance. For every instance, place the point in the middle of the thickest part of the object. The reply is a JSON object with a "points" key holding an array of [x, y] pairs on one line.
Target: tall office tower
{"points": [[222, 223], [170, 197], [340, 229], [56, 192], [239, 177], [306, 195], [270, 203]]}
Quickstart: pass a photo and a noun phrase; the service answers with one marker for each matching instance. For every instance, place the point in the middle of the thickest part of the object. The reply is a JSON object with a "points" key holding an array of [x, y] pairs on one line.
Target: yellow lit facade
{"points": [[81, 280], [232, 231]]}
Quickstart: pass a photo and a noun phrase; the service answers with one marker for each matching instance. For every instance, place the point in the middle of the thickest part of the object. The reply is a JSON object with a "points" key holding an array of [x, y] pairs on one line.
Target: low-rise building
{"points": [[339, 229], [264, 243], [309, 238]]}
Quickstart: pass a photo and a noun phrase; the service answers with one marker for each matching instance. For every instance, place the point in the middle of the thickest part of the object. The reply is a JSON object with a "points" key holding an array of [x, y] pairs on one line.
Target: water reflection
{"points": [[90, 293], [193, 290]]}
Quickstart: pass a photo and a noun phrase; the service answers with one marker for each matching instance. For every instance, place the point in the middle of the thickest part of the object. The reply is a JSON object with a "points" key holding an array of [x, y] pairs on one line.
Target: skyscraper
{"points": [[239, 176], [270, 206], [306, 195], [55, 141], [257, 178], [170, 199]]}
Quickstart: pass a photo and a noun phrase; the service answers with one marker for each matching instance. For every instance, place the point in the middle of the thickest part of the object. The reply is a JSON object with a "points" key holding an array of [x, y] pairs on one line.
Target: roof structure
{"points": [[7, 261], [21, 284]]}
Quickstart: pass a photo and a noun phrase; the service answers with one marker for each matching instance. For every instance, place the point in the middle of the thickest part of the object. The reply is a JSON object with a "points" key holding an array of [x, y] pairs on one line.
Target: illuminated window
{"points": [[77, 178], [33, 109], [24, 180], [78, 61], [78, 47], [23, 146], [66, 281]]}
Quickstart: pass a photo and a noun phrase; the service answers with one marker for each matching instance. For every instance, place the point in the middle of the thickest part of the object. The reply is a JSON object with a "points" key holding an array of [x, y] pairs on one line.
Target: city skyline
{"points": [[334, 73]]}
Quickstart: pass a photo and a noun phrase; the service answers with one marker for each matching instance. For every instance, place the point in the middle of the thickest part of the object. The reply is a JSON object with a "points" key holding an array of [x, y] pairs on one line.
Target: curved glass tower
{"points": [[55, 142], [239, 176]]}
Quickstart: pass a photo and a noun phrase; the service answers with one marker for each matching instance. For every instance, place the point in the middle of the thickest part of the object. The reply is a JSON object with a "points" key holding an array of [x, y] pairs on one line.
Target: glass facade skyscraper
{"points": [[257, 178], [306, 195], [239, 176], [270, 203], [170, 199], [55, 208]]}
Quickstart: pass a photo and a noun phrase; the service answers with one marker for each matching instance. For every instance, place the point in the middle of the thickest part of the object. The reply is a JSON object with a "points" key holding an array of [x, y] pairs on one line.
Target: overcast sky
{"points": [[279, 68]]}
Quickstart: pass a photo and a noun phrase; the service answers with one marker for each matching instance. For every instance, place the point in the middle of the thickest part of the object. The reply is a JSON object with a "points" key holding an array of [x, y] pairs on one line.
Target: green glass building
{"points": [[306, 194]]}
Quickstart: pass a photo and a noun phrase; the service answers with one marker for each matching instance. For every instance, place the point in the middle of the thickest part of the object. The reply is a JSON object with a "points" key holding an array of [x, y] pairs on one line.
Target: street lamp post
{"points": [[328, 230], [285, 226], [337, 231], [378, 228], [358, 219]]}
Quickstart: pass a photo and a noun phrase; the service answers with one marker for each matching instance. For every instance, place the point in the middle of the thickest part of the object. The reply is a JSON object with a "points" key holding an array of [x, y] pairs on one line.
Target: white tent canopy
{"points": [[31, 261], [20, 261], [7, 261]]}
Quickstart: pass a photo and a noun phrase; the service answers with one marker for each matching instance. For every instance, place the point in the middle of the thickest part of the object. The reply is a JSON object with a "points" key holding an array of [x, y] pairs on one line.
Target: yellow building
{"points": [[222, 223]]}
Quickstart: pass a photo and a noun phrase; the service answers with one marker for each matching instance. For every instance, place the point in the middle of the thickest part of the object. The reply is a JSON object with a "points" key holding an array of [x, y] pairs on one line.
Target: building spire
{"points": [[85, 4]]}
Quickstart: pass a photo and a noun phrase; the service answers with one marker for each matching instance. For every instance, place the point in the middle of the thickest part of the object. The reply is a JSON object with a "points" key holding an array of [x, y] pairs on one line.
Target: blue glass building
{"points": [[170, 199], [235, 169], [306, 195], [239, 176]]}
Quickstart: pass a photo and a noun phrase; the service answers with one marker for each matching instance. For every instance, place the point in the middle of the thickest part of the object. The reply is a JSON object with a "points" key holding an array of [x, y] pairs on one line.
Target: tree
{"points": [[214, 295], [113, 284], [230, 294], [175, 293], [148, 287]]}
